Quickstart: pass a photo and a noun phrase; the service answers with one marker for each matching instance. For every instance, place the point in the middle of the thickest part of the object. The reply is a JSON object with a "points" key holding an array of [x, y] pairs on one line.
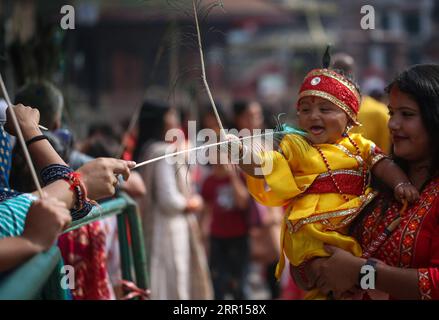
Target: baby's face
{"points": [[321, 119]]}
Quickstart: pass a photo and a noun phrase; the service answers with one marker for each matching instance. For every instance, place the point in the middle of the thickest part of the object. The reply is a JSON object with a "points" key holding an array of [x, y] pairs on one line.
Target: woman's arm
{"points": [[341, 271], [98, 176], [41, 151], [392, 175], [45, 220], [15, 251]]}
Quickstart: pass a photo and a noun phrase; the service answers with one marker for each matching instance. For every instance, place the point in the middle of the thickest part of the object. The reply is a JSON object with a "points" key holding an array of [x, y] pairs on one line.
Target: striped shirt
{"points": [[13, 214]]}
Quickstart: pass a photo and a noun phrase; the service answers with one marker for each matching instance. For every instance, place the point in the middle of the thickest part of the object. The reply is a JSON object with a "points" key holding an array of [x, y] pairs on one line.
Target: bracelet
{"points": [[57, 171], [54, 172], [35, 139], [84, 204], [401, 184], [73, 178]]}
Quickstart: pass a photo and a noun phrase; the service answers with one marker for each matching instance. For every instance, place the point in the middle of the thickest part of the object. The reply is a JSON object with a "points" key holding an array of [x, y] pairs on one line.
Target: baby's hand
{"points": [[234, 148], [405, 190]]}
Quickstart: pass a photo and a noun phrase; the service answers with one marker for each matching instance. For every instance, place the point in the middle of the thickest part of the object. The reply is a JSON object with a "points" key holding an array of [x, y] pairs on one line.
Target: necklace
{"points": [[331, 174]]}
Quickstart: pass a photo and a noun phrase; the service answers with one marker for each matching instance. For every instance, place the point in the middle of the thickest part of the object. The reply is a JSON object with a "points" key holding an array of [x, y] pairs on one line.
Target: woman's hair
{"points": [[239, 107], [421, 83], [151, 124], [44, 96]]}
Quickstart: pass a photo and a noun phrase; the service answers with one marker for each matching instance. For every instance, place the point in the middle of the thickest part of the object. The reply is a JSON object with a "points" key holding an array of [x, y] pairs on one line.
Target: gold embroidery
{"points": [[377, 158], [424, 284], [341, 171], [350, 213], [331, 98], [337, 77], [348, 153]]}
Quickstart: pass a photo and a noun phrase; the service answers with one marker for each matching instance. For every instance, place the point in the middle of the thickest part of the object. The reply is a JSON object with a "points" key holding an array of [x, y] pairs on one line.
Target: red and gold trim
{"points": [[350, 182], [424, 283], [377, 158], [398, 249], [335, 76], [333, 87], [324, 218]]}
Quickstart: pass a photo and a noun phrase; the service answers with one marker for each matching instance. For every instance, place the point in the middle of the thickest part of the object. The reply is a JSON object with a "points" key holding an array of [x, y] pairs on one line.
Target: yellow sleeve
{"points": [[374, 117], [370, 152], [279, 185], [384, 138]]}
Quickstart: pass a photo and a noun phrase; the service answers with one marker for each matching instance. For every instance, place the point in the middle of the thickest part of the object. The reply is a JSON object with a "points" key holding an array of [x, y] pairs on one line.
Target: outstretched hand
{"points": [[99, 176]]}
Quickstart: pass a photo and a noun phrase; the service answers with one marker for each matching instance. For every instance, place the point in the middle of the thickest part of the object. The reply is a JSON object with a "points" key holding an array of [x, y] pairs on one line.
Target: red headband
{"points": [[330, 85]]}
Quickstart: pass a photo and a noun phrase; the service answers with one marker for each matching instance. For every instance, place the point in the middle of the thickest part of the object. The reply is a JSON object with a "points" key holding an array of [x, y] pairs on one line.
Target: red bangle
{"points": [[74, 179]]}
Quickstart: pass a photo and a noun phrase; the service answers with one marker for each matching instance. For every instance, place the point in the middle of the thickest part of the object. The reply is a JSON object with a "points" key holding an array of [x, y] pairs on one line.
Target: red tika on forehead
{"points": [[333, 87]]}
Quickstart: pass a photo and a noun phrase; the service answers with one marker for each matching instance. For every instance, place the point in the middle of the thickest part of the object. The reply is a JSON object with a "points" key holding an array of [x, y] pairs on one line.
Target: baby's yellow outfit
{"points": [[320, 203]]}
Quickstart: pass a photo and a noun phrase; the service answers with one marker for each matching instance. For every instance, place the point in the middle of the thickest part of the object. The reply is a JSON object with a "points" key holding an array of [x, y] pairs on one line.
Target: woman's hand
{"points": [[28, 119], [46, 219], [134, 186], [99, 176], [337, 274]]}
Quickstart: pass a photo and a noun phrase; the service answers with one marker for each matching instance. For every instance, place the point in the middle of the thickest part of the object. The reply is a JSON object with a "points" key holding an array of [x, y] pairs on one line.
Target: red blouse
{"points": [[414, 243]]}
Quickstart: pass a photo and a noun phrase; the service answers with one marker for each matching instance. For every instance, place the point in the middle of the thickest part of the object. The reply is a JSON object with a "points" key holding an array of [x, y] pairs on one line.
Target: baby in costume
{"points": [[323, 179]]}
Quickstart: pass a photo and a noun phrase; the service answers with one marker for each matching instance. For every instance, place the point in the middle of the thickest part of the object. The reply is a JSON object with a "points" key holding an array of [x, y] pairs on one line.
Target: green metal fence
{"points": [[39, 278]]}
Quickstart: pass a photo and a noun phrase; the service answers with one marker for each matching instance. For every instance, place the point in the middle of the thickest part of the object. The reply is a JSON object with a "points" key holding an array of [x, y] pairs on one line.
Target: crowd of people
{"points": [[352, 183]]}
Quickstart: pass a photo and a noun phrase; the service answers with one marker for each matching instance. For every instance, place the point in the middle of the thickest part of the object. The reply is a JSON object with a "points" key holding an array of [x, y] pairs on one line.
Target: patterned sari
{"points": [[415, 241]]}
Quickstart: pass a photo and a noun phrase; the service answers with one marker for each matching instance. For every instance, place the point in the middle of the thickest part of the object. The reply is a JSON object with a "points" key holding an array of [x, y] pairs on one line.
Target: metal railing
{"points": [[40, 278]]}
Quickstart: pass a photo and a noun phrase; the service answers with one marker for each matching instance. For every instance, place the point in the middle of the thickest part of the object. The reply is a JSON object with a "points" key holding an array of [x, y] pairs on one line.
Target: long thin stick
{"points": [[144, 163], [134, 119], [203, 69], [20, 138]]}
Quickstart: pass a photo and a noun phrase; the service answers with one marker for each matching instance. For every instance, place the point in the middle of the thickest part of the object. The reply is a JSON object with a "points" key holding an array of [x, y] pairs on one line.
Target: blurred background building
{"points": [[253, 48]]}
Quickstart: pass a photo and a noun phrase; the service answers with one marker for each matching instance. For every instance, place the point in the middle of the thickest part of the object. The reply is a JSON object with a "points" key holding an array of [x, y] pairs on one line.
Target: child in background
{"points": [[227, 210]]}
